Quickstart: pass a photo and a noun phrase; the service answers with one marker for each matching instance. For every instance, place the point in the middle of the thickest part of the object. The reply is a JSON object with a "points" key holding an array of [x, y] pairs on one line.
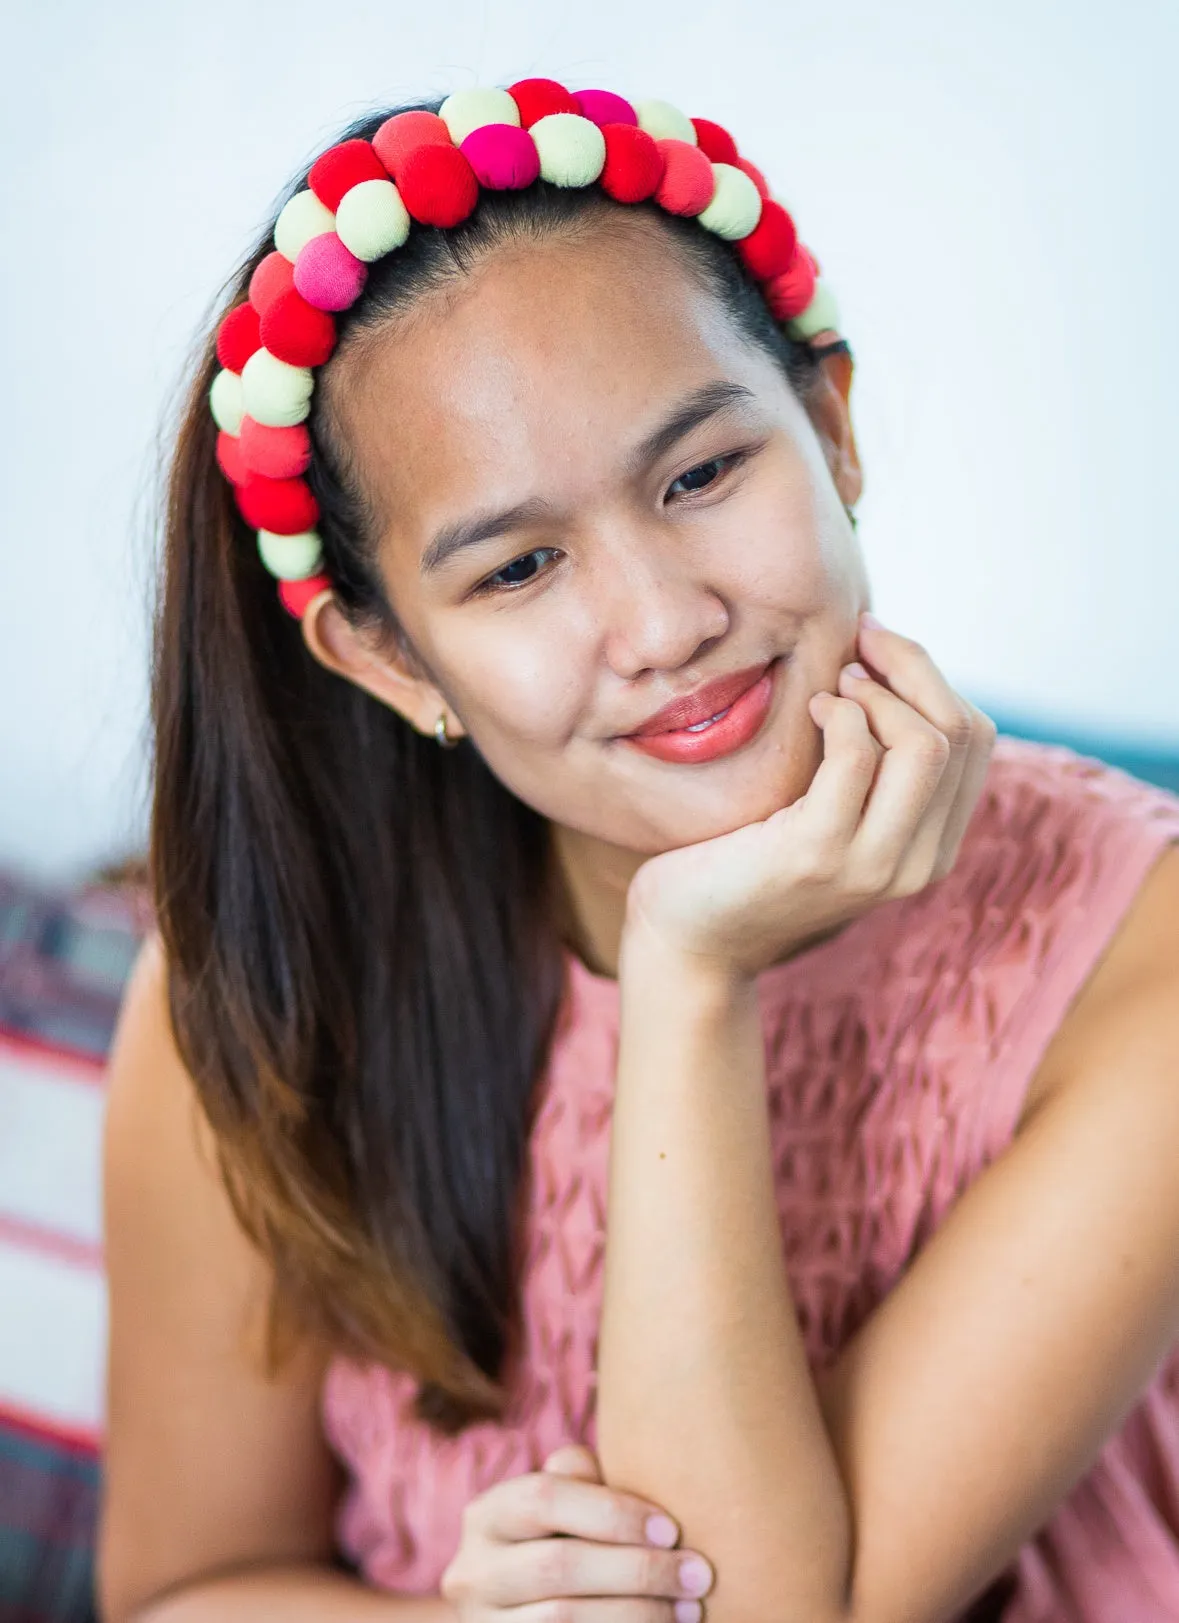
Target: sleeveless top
{"points": [[898, 1055]]}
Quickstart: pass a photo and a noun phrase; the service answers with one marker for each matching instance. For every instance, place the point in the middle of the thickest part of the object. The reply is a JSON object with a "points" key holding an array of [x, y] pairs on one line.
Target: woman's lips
{"points": [[737, 725]]}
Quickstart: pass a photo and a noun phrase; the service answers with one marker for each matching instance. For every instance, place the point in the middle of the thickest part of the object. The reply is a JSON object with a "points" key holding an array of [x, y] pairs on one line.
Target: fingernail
{"points": [[661, 1530], [695, 1575], [688, 1611], [868, 619], [858, 671]]}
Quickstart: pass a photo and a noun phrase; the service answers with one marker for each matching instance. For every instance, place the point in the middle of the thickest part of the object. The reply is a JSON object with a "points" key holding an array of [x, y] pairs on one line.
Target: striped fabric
{"points": [[52, 1331]]}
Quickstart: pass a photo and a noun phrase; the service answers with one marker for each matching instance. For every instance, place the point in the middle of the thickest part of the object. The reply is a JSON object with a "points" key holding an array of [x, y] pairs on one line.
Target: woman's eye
{"points": [[500, 582], [705, 473]]}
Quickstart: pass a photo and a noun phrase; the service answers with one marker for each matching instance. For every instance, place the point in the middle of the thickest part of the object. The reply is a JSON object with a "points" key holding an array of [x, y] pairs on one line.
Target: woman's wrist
{"points": [[650, 966]]}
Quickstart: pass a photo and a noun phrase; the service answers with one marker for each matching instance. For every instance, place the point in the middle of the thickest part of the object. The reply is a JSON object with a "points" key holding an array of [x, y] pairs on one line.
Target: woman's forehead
{"points": [[549, 352]]}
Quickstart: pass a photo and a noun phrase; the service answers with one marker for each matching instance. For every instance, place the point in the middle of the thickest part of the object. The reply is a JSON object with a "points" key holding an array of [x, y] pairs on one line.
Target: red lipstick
{"points": [[744, 703]]}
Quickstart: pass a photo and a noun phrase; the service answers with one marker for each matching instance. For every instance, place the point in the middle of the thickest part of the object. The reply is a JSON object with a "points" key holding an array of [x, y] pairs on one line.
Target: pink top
{"points": [[898, 1054]]}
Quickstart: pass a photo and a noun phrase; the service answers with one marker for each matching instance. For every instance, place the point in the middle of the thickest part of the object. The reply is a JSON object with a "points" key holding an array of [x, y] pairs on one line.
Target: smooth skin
{"points": [[538, 378]]}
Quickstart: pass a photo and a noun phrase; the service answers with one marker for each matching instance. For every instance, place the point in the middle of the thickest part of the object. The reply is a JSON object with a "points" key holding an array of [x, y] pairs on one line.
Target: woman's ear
{"points": [[389, 677], [829, 408]]}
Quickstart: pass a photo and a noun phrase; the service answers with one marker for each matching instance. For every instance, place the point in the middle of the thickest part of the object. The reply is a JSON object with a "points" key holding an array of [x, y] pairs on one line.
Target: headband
{"points": [[363, 197]]}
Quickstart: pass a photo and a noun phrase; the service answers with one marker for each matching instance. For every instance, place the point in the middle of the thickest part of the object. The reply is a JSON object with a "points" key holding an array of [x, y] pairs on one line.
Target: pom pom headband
{"points": [[363, 197]]}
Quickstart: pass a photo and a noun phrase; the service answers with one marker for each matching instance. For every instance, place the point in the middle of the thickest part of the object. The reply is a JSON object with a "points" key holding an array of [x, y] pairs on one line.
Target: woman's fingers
{"points": [[834, 802], [913, 764], [902, 669], [544, 1502], [549, 1568]]}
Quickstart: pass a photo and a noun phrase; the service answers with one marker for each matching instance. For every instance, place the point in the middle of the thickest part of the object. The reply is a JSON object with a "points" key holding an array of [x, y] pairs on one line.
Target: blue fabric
{"points": [[48, 1513]]}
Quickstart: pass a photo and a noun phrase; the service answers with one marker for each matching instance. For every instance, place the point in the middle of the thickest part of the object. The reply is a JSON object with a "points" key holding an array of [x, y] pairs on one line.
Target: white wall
{"points": [[989, 187]]}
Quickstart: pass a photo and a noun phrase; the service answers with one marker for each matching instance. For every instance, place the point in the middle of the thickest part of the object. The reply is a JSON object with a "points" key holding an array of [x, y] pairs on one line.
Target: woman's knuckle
{"points": [[931, 748], [653, 1569], [873, 878], [553, 1564], [542, 1495], [958, 727]]}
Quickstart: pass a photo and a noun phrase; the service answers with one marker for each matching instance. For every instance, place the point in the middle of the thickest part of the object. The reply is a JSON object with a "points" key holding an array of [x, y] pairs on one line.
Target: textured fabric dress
{"points": [[898, 1056]]}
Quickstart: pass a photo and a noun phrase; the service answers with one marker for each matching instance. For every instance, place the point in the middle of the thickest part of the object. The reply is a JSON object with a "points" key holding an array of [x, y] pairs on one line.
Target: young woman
{"points": [[703, 1140]]}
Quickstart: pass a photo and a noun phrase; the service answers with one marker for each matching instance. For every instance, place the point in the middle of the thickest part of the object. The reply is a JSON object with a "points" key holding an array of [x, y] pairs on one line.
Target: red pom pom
{"points": [[273, 276], [276, 453], [715, 141], [770, 246], [537, 98], [296, 332], [438, 185], [755, 175], [403, 133], [283, 506], [295, 595], [341, 168], [230, 459], [688, 182], [237, 337], [634, 163], [789, 293]]}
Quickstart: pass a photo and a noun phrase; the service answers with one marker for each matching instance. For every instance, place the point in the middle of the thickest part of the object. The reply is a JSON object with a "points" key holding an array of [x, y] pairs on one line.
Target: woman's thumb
{"points": [[572, 1459]]}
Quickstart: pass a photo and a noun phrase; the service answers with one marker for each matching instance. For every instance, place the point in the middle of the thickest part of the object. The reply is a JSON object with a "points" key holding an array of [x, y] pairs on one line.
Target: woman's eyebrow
{"points": [[709, 400]]}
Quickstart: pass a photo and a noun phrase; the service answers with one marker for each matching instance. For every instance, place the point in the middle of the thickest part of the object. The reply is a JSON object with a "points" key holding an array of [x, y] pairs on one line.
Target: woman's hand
{"points": [[904, 762], [514, 1565]]}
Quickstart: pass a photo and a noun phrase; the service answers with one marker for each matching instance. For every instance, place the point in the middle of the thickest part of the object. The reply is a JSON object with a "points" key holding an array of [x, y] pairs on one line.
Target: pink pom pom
{"points": [[327, 275], [503, 156], [274, 275], [403, 133], [295, 595], [275, 453], [604, 107], [230, 459], [688, 182]]}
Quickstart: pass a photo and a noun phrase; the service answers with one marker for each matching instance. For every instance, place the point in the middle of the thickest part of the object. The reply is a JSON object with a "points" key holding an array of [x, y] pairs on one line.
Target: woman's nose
{"points": [[658, 607]]}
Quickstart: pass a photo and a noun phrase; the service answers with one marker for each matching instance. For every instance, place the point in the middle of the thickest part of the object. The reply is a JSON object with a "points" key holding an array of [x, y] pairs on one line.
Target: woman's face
{"points": [[621, 573]]}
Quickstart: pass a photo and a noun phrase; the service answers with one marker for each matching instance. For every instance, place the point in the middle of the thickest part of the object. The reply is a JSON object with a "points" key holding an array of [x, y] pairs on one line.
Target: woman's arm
{"points": [[219, 1488], [986, 1383]]}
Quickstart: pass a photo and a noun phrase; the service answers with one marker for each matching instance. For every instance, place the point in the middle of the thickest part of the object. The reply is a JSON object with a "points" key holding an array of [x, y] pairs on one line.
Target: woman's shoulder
{"points": [[1060, 847]]}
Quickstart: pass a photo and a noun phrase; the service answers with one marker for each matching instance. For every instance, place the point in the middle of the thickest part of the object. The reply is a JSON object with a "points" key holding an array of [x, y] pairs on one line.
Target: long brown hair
{"points": [[364, 933]]}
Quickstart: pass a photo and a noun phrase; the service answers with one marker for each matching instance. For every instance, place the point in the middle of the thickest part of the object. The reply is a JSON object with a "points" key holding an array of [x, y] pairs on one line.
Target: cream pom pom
{"points": [[290, 557], [821, 314], [467, 110], [736, 203], [225, 401], [372, 220], [302, 218], [661, 120], [572, 149], [273, 392]]}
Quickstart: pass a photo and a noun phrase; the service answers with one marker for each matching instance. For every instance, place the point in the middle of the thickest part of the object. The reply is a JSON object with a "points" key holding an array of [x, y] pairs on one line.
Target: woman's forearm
{"points": [[705, 1400], [292, 1594]]}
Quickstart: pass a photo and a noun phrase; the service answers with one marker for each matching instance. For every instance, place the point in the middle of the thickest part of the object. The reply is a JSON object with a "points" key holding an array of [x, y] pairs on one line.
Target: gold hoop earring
{"points": [[441, 735]]}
